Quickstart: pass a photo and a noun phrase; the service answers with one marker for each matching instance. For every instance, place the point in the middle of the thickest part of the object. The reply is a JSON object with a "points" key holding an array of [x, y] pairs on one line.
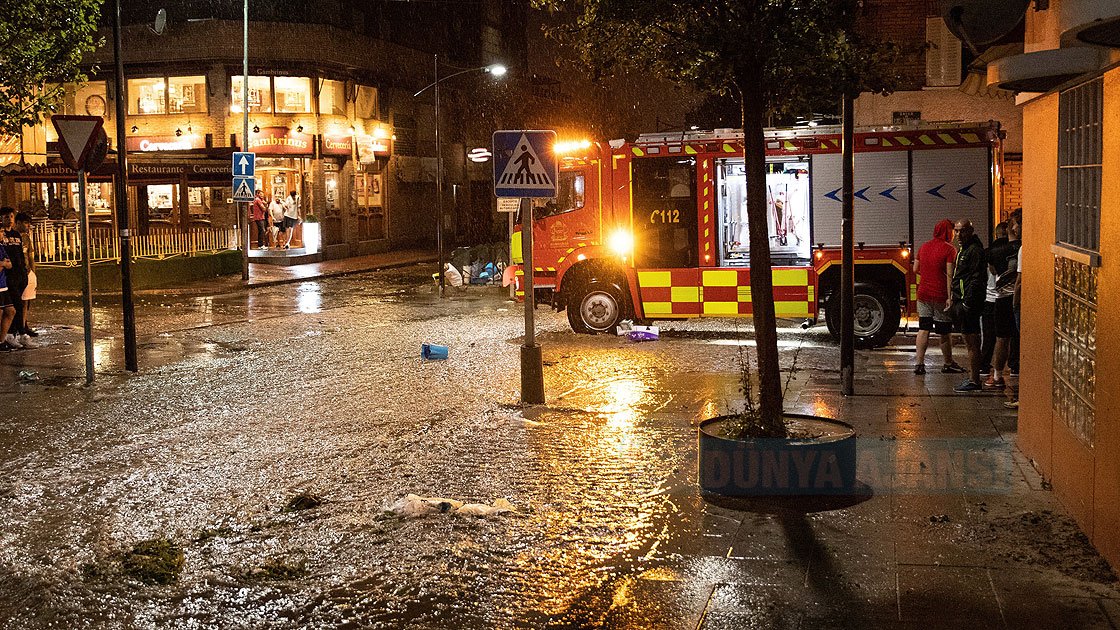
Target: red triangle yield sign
{"points": [[77, 135]]}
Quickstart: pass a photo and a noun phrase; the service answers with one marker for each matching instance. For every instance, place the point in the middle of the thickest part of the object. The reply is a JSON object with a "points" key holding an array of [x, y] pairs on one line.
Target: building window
{"points": [[89, 99], [1080, 111], [283, 95], [186, 95], [293, 95], [1075, 346], [260, 94], [163, 95], [332, 98], [365, 103]]}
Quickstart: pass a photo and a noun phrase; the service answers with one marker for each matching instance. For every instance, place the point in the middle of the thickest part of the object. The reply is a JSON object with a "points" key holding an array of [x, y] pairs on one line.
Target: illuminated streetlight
{"points": [[496, 70]]}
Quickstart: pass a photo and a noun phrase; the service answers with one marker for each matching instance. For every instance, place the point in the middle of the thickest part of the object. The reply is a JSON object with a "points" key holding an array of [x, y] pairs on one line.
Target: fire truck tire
{"points": [[876, 317], [597, 309]]}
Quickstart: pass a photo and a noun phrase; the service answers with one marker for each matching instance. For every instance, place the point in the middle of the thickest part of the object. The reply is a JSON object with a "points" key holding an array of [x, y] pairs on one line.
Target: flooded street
{"points": [[245, 401], [250, 407]]}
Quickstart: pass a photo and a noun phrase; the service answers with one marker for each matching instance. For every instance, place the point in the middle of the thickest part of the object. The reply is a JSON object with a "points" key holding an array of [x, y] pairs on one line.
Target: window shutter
{"points": [[943, 55]]}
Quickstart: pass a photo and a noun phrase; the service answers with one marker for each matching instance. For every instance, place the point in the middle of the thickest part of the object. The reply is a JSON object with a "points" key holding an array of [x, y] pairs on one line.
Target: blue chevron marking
{"points": [[860, 193], [834, 195], [967, 190], [936, 191], [889, 193]]}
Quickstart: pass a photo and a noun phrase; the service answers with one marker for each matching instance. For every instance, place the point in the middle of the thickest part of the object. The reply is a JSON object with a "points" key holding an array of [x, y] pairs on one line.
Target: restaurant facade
{"points": [[331, 118]]}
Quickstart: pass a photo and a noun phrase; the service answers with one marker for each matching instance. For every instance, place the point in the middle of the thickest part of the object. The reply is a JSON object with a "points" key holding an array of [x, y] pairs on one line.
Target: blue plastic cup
{"points": [[433, 352]]}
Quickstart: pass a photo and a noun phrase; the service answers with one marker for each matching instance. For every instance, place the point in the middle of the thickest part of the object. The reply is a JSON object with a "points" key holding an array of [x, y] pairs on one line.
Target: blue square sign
{"points": [[244, 164], [244, 188], [525, 163]]}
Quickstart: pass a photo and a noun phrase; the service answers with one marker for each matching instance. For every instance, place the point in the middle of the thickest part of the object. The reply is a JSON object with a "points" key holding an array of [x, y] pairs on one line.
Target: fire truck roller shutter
{"points": [[882, 205], [952, 184]]}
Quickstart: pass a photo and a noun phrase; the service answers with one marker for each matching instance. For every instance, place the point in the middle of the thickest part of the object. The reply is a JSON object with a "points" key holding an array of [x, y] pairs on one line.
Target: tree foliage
{"points": [[42, 43], [779, 57]]}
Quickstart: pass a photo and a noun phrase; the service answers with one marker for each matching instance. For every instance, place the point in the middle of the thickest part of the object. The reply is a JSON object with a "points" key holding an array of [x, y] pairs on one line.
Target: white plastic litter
{"points": [[624, 327], [414, 506], [644, 333], [452, 276]]}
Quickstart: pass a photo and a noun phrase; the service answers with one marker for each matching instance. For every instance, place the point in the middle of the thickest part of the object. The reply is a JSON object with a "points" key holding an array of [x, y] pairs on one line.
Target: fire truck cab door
{"points": [[666, 242]]}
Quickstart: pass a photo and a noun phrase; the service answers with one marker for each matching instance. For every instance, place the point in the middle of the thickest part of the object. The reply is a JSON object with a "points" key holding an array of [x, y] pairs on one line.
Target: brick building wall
{"points": [[904, 22], [1012, 188]]}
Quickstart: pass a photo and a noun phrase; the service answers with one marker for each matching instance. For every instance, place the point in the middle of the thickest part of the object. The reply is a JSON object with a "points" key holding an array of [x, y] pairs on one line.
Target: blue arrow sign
{"points": [[860, 193], [889, 193], [936, 191], [967, 190], [834, 195], [244, 164]]}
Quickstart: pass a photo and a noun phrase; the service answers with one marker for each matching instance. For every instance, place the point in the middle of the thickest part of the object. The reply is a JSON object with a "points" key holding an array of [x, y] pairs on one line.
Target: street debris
{"points": [[28, 375], [303, 501], [452, 276], [939, 518], [276, 570], [156, 561], [433, 352], [412, 506], [635, 332]]}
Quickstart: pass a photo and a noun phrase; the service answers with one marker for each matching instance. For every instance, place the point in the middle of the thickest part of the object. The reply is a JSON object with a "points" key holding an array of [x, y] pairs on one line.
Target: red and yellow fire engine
{"points": [[657, 228]]}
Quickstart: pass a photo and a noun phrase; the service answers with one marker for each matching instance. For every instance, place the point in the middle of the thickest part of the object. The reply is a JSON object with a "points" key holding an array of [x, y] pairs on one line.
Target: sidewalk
{"points": [[263, 275]]}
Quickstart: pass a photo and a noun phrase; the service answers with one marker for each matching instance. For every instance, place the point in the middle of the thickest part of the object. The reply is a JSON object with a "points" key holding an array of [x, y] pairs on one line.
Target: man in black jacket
{"points": [[970, 283]]}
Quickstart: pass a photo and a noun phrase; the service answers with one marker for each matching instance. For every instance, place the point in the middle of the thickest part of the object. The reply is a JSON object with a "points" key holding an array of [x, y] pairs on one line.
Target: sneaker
{"points": [[27, 342], [968, 386], [1015, 373], [920, 369], [6, 347], [30, 332], [952, 368], [995, 383], [1011, 404], [13, 342], [986, 370]]}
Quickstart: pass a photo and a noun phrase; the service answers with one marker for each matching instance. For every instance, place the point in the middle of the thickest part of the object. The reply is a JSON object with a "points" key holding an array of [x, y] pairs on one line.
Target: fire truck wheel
{"points": [[876, 316], [597, 310]]}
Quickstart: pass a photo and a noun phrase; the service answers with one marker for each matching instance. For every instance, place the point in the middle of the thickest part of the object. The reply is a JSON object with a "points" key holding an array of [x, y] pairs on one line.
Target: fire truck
{"points": [[656, 229]]}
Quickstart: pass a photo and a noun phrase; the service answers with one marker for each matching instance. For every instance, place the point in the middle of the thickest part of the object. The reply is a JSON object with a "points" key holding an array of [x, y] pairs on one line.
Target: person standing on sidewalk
{"points": [[276, 218], [988, 317], [16, 278], [7, 311], [291, 217], [1003, 264], [260, 219], [1017, 298], [934, 265], [970, 279], [23, 226]]}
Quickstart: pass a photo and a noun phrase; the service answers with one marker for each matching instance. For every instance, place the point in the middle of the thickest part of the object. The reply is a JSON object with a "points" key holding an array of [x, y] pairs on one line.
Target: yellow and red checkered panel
{"points": [[723, 292]]}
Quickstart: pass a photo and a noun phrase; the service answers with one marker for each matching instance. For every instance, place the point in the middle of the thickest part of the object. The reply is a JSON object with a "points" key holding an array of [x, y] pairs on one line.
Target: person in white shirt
{"points": [[291, 217], [276, 219]]}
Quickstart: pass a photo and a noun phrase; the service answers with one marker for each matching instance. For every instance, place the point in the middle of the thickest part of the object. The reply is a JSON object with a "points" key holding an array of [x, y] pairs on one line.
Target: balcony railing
{"points": [[59, 244]]}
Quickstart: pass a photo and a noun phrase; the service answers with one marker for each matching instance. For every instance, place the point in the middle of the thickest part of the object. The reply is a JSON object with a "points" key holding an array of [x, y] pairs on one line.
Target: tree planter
{"points": [[824, 465]]}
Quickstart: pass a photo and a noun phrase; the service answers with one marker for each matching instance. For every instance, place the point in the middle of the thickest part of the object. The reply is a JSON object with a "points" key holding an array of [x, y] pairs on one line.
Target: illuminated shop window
{"points": [[147, 96], [187, 94], [260, 94], [293, 95], [332, 98], [89, 99], [164, 95]]}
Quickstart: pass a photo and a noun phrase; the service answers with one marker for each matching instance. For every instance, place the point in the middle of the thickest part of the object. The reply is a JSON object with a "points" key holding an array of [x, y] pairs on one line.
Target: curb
{"points": [[203, 291]]}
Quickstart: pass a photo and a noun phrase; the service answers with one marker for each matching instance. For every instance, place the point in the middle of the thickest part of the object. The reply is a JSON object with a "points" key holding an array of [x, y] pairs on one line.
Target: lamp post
{"points": [[243, 211], [494, 69]]}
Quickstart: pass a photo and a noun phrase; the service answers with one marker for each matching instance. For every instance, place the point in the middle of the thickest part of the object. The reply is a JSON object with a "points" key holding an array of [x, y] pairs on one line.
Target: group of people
{"points": [[17, 280], [275, 221], [976, 292]]}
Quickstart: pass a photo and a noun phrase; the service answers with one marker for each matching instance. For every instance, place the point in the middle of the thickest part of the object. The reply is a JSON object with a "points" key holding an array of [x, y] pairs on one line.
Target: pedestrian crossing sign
{"points": [[524, 163], [244, 188]]}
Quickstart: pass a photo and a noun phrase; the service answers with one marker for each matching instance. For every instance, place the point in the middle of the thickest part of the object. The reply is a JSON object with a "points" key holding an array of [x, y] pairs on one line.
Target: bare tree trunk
{"points": [[762, 279]]}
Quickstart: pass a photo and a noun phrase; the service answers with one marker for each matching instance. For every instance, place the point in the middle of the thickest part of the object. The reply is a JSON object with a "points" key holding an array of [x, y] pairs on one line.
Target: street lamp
{"points": [[494, 69]]}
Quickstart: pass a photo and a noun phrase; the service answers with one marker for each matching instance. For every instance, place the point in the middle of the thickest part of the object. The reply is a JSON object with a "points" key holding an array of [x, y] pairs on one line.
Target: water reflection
{"points": [[309, 298]]}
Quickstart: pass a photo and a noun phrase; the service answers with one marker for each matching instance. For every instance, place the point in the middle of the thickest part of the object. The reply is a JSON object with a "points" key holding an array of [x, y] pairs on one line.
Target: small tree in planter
{"points": [[776, 57]]}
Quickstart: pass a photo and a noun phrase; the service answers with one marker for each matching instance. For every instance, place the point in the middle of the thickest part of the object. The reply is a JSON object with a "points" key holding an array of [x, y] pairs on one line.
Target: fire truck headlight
{"points": [[621, 242]]}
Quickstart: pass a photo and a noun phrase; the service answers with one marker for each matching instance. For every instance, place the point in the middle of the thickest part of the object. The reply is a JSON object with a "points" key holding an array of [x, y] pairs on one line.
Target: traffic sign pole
{"points": [[244, 167], [532, 362], [87, 288]]}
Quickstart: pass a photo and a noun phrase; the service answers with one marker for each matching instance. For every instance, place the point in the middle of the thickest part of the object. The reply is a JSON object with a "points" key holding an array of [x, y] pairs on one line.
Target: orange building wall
{"points": [[1084, 477]]}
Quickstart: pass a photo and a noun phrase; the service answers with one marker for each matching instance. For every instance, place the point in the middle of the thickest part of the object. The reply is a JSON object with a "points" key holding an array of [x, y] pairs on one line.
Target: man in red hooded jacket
{"points": [[934, 265]]}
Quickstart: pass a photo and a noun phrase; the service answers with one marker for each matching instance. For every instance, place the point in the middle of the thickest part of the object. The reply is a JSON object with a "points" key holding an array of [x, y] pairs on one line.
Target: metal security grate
{"points": [[1080, 112]]}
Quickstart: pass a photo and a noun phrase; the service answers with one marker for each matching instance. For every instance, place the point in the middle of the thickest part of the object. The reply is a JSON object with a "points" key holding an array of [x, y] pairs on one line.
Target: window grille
{"points": [[1080, 111]]}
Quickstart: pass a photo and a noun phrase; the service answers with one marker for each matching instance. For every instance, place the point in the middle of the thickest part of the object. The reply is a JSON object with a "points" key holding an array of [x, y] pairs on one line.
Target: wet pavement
{"points": [[246, 399]]}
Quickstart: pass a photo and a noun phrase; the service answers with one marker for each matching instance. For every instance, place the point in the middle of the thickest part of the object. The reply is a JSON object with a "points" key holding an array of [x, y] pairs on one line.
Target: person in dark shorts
{"points": [[970, 280], [934, 265], [7, 311], [988, 318], [1003, 264], [16, 275]]}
